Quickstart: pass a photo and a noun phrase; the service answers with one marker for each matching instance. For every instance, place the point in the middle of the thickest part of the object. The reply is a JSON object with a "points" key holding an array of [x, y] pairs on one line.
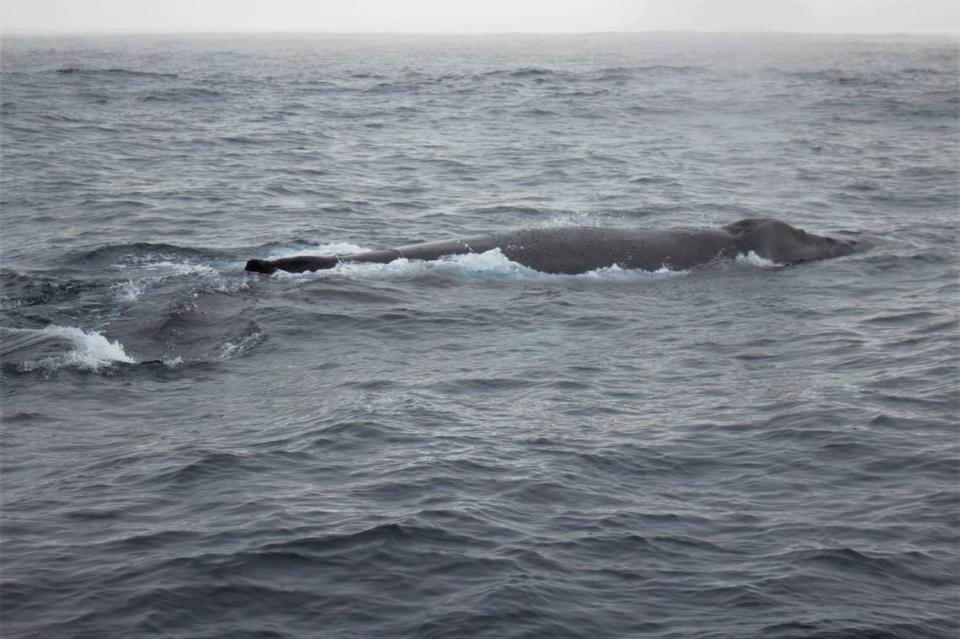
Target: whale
{"points": [[579, 249]]}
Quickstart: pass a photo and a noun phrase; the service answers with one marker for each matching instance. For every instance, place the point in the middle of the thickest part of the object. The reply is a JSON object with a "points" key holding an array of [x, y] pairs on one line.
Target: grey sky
{"points": [[479, 16]]}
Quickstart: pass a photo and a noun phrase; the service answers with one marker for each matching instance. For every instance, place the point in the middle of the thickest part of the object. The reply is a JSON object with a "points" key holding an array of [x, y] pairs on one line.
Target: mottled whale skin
{"points": [[578, 249]]}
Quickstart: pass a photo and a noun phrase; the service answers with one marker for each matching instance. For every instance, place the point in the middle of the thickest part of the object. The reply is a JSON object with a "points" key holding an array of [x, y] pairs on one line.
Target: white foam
{"points": [[618, 272], [223, 285], [91, 351], [242, 344], [129, 291], [333, 248], [182, 268], [753, 259], [574, 218], [7, 304], [163, 262], [492, 264]]}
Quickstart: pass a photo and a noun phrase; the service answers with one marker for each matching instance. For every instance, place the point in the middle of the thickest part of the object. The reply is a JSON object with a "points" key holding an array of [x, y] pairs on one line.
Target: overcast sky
{"points": [[478, 16]]}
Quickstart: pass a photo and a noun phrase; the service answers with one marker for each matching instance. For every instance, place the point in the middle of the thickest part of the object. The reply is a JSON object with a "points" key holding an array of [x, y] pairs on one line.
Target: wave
{"points": [[913, 567], [604, 74], [386, 534], [55, 347], [510, 211], [145, 251], [145, 265], [468, 82], [248, 338], [182, 94], [529, 72], [843, 78], [414, 78], [616, 73], [114, 72], [24, 290]]}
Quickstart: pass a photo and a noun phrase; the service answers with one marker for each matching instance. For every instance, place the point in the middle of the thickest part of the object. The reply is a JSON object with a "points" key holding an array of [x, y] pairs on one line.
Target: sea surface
{"points": [[469, 448]]}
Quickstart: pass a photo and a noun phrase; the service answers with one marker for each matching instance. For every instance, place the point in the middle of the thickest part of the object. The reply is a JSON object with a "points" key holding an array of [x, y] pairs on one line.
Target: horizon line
{"points": [[955, 32]]}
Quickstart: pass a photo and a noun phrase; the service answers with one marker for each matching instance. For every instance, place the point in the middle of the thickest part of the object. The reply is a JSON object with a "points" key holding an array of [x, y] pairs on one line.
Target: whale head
{"points": [[260, 266], [785, 244]]}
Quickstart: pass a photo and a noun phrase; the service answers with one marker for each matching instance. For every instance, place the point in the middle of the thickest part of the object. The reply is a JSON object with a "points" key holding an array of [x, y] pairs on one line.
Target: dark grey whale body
{"points": [[578, 249]]}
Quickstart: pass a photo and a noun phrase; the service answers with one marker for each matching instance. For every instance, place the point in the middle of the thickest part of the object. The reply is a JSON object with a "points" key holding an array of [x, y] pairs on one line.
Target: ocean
{"points": [[467, 447]]}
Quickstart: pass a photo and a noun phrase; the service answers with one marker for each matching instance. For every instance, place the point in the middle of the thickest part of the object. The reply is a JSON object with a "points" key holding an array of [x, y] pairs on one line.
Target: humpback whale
{"points": [[578, 249]]}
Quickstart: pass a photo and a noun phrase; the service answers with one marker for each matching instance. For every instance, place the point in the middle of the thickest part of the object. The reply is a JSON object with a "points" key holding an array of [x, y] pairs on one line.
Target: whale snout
{"points": [[837, 248], [845, 247], [260, 266]]}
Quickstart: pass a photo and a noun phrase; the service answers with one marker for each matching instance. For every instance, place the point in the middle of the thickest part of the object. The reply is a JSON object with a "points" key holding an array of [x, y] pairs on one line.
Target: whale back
{"points": [[578, 249]]}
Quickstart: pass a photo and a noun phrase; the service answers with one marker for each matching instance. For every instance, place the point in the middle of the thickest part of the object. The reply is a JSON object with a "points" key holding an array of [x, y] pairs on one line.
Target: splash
{"points": [[56, 347], [91, 350]]}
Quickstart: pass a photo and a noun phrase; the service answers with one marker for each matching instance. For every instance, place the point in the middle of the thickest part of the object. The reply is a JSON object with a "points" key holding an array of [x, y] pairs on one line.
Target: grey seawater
{"points": [[468, 448]]}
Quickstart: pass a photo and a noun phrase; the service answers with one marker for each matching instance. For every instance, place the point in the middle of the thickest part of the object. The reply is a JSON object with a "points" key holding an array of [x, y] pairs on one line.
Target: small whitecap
{"points": [[169, 264], [224, 285], [617, 272], [143, 261], [574, 218], [129, 291], [242, 344], [8, 304], [184, 268], [753, 259]]}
